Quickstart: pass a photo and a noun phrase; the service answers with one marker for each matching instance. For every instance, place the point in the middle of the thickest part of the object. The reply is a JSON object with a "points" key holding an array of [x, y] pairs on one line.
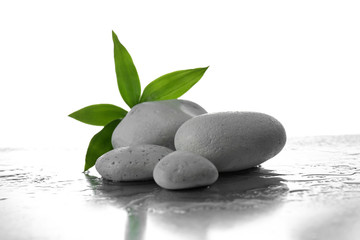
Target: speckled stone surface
{"points": [[154, 123], [183, 170], [232, 141], [133, 163]]}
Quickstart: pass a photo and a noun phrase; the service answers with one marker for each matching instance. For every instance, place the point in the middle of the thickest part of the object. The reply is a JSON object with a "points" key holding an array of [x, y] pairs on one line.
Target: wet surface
{"points": [[311, 190]]}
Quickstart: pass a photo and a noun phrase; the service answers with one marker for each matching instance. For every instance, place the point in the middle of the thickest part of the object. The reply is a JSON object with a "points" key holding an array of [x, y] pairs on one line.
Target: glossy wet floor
{"points": [[311, 190]]}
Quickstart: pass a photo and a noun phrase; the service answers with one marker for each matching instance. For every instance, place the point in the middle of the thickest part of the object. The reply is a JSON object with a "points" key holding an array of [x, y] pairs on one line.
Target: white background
{"points": [[298, 61]]}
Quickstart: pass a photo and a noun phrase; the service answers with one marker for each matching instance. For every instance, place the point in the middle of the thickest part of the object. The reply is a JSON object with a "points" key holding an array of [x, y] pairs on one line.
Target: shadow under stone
{"points": [[236, 195]]}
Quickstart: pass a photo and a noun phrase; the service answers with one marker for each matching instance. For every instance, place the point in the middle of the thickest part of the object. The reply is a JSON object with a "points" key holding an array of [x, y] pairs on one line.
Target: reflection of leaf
{"points": [[136, 224], [99, 114], [93, 181], [126, 73], [100, 144], [172, 85]]}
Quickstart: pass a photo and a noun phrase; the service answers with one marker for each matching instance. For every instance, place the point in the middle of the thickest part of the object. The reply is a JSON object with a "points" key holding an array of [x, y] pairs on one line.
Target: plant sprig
{"points": [[168, 86]]}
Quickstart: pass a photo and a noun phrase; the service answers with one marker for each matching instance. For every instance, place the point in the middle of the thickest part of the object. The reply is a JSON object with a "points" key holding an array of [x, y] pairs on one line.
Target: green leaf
{"points": [[127, 76], [172, 85], [100, 144], [99, 114]]}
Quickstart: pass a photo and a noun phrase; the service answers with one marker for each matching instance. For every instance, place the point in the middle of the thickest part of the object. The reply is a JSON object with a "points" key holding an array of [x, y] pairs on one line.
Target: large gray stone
{"points": [[154, 123], [232, 140]]}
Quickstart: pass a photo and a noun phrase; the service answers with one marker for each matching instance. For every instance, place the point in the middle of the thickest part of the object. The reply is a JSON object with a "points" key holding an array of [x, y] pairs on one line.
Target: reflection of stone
{"points": [[235, 195], [254, 183], [125, 194]]}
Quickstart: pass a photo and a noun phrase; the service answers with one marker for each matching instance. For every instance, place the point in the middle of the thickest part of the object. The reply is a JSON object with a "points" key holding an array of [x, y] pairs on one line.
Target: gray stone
{"points": [[182, 170], [154, 123], [134, 163], [232, 140]]}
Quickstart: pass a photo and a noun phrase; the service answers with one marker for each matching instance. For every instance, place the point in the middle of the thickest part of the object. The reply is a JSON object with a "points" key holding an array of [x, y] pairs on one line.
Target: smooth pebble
{"points": [[154, 123], [182, 170], [232, 140]]}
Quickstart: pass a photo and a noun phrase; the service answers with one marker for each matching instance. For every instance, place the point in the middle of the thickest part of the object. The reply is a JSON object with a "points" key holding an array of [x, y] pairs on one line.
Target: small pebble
{"points": [[134, 163], [182, 170]]}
